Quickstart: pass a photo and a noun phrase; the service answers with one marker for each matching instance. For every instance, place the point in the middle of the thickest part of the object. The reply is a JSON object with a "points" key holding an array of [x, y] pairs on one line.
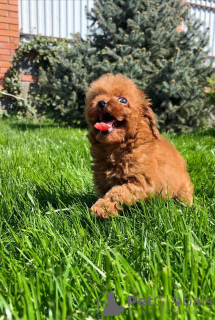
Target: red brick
{"points": [[14, 27], [15, 2], [3, 70], [4, 13], [14, 40], [29, 78], [8, 46], [3, 1], [4, 39], [3, 26], [10, 20], [11, 33], [9, 7], [13, 14], [5, 57], [13, 52], [4, 64], [5, 51]]}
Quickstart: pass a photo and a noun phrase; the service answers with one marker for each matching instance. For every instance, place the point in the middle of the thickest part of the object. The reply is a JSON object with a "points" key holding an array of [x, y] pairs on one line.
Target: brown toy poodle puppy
{"points": [[131, 160]]}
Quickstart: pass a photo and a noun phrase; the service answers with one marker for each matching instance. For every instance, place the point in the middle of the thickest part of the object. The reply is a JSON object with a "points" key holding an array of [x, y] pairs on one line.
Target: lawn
{"points": [[55, 260]]}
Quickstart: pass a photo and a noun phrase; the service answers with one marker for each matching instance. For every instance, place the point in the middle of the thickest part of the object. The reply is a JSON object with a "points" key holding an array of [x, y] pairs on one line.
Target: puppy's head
{"points": [[115, 107]]}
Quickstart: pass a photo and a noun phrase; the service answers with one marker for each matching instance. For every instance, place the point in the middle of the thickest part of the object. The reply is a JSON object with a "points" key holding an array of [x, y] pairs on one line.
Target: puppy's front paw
{"points": [[103, 208]]}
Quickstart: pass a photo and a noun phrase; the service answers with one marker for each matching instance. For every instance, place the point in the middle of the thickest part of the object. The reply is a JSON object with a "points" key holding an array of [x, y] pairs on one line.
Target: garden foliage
{"points": [[64, 84], [44, 49], [141, 40], [211, 93]]}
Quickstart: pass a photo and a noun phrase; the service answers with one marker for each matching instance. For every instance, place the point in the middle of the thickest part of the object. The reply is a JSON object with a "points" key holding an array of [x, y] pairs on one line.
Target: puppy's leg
{"points": [[186, 193], [126, 193]]}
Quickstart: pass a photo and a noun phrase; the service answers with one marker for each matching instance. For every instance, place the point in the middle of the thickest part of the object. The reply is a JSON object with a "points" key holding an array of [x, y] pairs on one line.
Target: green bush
{"points": [[64, 83], [211, 92], [140, 40], [45, 50]]}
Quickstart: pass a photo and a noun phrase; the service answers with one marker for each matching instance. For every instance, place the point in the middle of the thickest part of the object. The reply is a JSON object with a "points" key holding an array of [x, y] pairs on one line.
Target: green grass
{"points": [[55, 259]]}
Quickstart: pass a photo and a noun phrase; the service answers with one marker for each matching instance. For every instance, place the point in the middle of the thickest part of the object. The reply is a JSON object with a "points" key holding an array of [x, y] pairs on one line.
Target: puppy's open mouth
{"points": [[106, 122]]}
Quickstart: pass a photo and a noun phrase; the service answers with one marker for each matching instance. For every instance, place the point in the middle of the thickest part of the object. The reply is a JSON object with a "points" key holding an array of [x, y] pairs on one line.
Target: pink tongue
{"points": [[102, 126]]}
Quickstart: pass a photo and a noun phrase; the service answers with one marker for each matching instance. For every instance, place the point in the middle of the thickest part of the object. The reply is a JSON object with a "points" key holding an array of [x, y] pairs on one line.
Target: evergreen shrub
{"points": [[142, 40]]}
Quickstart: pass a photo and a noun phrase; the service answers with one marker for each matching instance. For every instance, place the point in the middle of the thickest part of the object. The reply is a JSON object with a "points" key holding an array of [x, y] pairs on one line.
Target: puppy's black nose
{"points": [[102, 104]]}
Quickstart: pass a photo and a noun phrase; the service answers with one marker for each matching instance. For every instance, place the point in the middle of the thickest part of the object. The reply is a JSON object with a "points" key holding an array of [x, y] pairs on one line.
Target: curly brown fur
{"points": [[132, 160]]}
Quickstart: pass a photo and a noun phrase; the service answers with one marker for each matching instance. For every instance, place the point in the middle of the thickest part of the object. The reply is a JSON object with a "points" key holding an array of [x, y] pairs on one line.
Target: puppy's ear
{"points": [[149, 115]]}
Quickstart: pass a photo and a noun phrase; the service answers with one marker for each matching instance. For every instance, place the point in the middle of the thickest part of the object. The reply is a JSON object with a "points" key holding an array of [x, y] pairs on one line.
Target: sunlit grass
{"points": [[55, 259]]}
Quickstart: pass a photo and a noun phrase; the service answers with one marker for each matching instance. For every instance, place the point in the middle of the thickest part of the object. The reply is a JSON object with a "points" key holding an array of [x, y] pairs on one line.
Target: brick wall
{"points": [[9, 34]]}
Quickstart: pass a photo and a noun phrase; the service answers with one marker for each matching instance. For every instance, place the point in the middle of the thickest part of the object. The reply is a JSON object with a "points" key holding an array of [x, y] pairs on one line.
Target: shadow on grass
{"points": [[207, 132], [71, 206], [63, 199], [60, 198], [35, 126]]}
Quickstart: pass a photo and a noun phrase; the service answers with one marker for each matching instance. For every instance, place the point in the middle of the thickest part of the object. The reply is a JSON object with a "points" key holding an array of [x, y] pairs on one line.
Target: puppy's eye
{"points": [[122, 100]]}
